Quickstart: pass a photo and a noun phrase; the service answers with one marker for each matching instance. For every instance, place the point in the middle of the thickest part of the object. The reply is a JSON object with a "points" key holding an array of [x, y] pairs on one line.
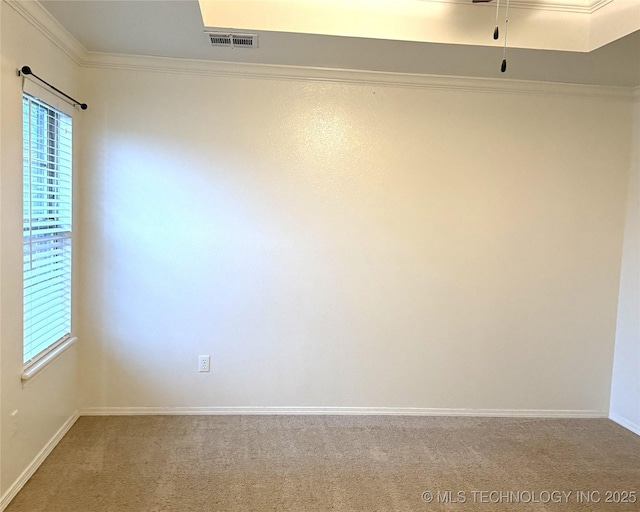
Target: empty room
{"points": [[304, 255]]}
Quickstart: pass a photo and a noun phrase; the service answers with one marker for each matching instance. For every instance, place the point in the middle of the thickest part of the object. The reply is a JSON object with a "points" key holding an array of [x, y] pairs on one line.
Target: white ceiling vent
{"points": [[233, 40]]}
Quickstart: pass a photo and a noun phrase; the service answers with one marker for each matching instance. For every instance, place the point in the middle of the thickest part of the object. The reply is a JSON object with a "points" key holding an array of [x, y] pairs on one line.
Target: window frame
{"points": [[56, 110]]}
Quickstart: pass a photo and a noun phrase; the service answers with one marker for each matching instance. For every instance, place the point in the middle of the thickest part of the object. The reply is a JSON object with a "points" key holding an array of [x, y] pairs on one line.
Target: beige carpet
{"points": [[335, 463]]}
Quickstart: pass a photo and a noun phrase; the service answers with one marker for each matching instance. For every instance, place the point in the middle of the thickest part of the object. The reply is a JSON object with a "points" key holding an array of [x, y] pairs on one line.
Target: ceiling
{"points": [[549, 40]]}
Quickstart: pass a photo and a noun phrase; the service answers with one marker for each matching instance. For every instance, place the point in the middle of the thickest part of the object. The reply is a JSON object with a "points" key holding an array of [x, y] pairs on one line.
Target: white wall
{"points": [[625, 389], [49, 401], [348, 245]]}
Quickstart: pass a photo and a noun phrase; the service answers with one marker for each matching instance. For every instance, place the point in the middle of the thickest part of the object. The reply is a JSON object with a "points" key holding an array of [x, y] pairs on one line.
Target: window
{"points": [[46, 227]]}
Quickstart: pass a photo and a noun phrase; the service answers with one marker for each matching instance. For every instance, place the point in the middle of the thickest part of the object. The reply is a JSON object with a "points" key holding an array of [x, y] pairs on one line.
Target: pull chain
{"points": [[503, 67]]}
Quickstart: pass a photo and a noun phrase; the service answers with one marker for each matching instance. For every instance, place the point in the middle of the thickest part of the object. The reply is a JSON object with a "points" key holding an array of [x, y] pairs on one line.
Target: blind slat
{"points": [[47, 180]]}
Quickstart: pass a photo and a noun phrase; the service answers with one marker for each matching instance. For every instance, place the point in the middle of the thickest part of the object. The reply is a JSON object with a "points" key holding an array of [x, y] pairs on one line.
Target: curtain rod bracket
{"points": [[26, 70]]}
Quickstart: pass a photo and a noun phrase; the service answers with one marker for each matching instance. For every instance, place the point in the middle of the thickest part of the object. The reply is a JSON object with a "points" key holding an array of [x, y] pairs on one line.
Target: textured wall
{"points": [[348, 245], [48, 401], [625, 389]]}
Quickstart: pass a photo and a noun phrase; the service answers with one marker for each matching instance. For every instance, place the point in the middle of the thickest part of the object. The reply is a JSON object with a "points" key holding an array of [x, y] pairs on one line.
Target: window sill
{"points": [[41, 364]]}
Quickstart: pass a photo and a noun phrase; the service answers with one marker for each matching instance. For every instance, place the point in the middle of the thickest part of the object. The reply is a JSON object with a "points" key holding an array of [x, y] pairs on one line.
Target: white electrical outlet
{"points": [[204, 363]]}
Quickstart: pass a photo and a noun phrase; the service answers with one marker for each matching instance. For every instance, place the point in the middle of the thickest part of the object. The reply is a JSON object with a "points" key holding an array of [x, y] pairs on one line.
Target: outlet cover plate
{"points": [[204, 363]]}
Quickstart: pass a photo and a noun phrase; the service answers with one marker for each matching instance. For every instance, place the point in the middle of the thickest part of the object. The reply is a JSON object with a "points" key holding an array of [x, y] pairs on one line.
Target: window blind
{"points": [[47, 234]]}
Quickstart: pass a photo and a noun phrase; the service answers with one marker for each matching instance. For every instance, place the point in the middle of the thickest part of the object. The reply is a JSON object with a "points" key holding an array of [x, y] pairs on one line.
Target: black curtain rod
{"points": [[26, 70]]}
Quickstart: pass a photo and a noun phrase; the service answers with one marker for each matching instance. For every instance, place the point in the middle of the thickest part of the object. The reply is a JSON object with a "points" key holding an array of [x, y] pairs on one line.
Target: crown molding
{"points": [[42, 20], [348, 76], [47, 25], [588, 7]]}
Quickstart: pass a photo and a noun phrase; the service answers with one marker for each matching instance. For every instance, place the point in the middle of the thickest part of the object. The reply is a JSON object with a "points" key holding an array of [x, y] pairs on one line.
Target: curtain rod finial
{"points": [[83, 106], [26, 70]]}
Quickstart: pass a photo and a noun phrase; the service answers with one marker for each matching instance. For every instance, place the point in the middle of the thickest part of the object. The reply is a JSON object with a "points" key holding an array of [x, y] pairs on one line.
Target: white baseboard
{"points": [[390, 411], [36, 462], [626, 423]]}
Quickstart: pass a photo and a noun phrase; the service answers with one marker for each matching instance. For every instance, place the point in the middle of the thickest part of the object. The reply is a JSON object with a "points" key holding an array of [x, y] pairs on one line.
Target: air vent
{"points": [[233, 40]]}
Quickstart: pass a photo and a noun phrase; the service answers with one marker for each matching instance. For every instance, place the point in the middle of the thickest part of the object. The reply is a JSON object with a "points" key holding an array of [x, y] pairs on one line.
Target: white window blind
{"points": [[46, 227]]}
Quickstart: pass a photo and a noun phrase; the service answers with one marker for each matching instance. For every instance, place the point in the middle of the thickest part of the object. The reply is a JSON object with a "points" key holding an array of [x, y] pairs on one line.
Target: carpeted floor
{"points": [[336, 463]]}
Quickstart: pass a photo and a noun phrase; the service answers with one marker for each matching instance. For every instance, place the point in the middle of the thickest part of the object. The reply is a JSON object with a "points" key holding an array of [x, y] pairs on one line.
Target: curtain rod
{"points": [[26, 70]]}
